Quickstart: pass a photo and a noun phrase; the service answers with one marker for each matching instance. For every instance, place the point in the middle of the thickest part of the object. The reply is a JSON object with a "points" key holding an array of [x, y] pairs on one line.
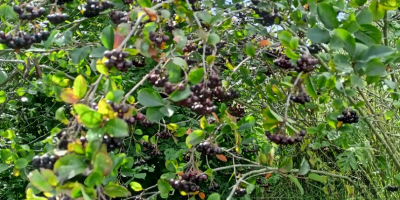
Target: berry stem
{"points": [[288, 97]]}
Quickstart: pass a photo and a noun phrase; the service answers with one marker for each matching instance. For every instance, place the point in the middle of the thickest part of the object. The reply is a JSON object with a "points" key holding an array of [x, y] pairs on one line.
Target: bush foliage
{"points": [[213, 99]]}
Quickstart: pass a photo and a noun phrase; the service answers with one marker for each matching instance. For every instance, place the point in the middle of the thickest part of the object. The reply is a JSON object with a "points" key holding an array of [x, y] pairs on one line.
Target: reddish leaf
{"points": [[339, 124], [151, 13], [268, 175], [216, 117], [68, 96], [180, 173], [118, 38], [222, 158], [202, 195], [188, 131]]}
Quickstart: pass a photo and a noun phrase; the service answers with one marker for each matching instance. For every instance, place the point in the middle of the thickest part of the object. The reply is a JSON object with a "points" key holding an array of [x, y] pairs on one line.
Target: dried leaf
{"points": [[118, 38], [222, 157], [268, 175], [202, 195], [339, 124]]}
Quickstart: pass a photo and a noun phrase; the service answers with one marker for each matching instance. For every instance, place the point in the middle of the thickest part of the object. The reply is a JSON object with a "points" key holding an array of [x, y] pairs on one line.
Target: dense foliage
{"points": [[213, 99]]}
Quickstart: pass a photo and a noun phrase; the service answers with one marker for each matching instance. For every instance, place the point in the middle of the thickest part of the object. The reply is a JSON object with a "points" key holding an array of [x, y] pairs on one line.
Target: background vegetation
{"points": [[263, 99]]}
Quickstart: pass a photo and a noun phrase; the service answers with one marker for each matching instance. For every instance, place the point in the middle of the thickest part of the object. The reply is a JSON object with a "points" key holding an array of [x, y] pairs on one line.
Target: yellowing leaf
{"points": [[339, 124], [80, 86], [173, 127], [229, 65], [268, 175], [136, 186], [68, 96], [101, 67], [131, 99], [222, 157], [105, 109], [16, 171]]}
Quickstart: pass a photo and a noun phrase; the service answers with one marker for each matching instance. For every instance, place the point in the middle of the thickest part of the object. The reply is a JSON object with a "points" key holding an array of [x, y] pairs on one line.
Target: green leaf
{"points": [[39, 181], [69, 166], [178, 95], [50, 39], [389, 114], [285, 37], [297, 183], [356, 81], [94, 179], [136, 186], [174, 72], [3, 96], [116, 191], [3, 167], [316, 177], [214, 196], [117, 127], [376, 51], [80, 86], [60, 115], [154, 114], [213, 39], [327, 15], [164, 187], [102, 163], [286, 165], [167, 110], [304, 167], [149, 98], [78, 54], [368, 34], [91, 119], [310, 88], [249, 49], [3, 76], [98, 52], [377, 10], [196, 75], [7, 12], [180, 132], [115, 96], [342, 63], [195, 138], [317, 35], [346, 40], [357, 3], [21, 163], [364, 16], [375, 68], [107, 37], [294, 42]]}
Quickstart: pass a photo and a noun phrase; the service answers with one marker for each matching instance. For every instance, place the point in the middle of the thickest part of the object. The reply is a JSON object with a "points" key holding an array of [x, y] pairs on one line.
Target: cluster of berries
{"points": [[206, 148], [188, 182], [240, 192], [158, 39], [61, 2], [208, 51], [112, 142], [116, 59], [194, 177], [57, 18], [186, 156], [305, 64], [301, 98], [158, 78], [274, 53], [121, 111], [314, 48], [201, 99], [285, 140], [22, 39], [45, 161], [29, 12], [214, 187], [94, 7], [62, 140], [348, 117], [138, 61], [284, 62], [152, 148], [164, 134], [237, 111], [189, 48], [139, 162], [118, 17], [126, 2]]}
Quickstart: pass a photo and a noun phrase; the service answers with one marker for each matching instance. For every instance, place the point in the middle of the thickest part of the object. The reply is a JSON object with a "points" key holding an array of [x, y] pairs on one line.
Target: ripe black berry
{"points": [[348, 117]]}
